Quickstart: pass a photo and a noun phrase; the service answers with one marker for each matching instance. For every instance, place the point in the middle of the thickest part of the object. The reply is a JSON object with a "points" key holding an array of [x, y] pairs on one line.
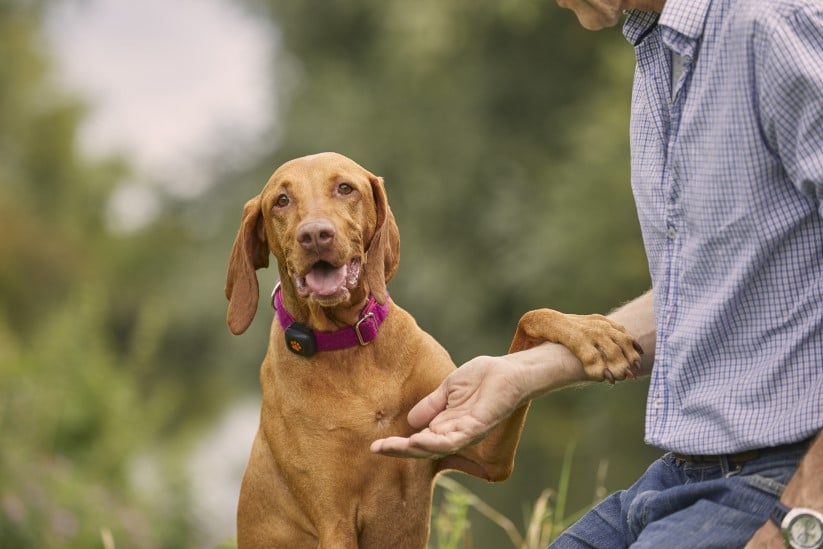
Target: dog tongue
{"points": [[324, 279]]}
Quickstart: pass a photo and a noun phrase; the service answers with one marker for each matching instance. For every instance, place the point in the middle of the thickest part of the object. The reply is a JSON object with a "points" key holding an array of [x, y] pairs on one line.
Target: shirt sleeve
{"points": [[790, 85]]}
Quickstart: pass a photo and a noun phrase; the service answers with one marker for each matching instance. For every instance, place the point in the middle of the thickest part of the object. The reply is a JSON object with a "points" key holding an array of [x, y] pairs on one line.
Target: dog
{"points": [[345, 364]]}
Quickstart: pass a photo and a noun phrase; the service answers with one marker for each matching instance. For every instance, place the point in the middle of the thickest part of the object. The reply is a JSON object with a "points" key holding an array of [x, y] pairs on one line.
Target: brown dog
{"points": [[345, 364]]}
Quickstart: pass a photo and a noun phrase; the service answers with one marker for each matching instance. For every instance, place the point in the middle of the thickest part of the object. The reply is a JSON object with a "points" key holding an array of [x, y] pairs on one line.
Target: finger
{"points": [[424, 444], [427, 409], [431, 444], [380, 446], [394, 446]]}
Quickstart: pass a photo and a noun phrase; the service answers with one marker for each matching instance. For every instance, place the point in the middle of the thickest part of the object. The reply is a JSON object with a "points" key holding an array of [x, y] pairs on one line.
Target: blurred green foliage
{"points": [[76, 403], [501, 130]]}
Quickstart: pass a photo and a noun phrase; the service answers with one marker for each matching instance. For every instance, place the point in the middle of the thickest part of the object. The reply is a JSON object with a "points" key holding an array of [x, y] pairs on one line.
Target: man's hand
{"points": [[473, 399], [461, 411]]}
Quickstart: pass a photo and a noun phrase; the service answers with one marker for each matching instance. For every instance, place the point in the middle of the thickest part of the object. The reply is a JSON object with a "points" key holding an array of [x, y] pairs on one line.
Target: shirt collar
{"points": [[638, 25], [687, 17]]}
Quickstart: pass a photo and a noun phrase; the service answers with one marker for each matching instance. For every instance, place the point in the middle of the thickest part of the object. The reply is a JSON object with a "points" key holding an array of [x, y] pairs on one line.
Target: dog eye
{"points": [[282, 201], [345, 188]]}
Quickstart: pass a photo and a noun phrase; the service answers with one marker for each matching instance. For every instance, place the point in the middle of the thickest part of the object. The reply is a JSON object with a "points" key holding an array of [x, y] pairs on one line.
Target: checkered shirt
{"points": [[727, 173]]}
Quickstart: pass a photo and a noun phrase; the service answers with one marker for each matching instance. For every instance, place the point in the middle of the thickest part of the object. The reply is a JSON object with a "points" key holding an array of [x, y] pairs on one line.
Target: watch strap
{"points": [[778, 513]]}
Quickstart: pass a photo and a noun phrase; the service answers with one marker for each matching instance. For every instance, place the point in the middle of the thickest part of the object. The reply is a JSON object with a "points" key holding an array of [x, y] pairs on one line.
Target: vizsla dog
{"points": [[345, 364]]}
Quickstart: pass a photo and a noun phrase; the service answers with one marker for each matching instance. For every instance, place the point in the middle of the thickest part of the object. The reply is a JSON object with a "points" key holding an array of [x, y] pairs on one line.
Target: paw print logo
{"points": [[295, 346]]}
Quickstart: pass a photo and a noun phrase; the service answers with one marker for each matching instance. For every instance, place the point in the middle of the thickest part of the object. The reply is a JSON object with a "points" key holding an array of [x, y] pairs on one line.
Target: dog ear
{"points": [[249, 253], [383, 254]]}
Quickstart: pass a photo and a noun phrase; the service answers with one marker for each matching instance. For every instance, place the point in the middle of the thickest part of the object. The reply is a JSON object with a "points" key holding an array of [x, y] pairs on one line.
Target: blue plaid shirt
{"points": [[727, 173]]}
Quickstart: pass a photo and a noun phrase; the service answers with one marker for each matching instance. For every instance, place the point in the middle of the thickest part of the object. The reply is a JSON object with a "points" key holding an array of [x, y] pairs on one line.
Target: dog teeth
{"points": [[354, 273], [320, 279]]}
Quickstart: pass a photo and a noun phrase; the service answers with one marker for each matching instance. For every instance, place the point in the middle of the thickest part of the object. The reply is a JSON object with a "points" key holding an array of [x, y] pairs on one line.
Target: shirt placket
{"points": [[670, 103]]}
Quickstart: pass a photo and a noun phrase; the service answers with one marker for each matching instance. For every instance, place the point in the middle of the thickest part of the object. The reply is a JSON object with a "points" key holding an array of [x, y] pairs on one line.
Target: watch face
{"points": [[805, 531]]}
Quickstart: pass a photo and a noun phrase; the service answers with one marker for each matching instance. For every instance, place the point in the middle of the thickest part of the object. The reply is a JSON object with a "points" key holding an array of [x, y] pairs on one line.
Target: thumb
{"points": [[425, 411]]}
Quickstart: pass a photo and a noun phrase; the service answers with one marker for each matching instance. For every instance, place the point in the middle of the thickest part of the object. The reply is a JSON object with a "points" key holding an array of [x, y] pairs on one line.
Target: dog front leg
{"points": [[605, 350], [337, 534], [603, 346], [492, 458]]}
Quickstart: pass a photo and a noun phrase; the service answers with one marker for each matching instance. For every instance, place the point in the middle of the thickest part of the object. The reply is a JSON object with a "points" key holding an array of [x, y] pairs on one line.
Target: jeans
{"points": [[688, 504]]}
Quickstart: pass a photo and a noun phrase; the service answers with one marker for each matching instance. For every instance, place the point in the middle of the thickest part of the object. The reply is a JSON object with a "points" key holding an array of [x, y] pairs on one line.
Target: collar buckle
{"points": [[363, 342]]}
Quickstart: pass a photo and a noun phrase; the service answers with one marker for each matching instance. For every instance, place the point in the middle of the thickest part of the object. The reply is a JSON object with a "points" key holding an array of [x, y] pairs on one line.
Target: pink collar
{"points": [[302, 340]]}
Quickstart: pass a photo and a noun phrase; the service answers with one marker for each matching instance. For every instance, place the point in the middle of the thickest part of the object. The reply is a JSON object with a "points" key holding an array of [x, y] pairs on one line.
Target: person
{"points": [[727, 173]]}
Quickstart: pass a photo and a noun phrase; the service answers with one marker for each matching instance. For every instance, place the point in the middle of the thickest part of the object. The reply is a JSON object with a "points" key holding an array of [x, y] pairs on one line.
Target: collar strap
{"points": [[302, 340]]}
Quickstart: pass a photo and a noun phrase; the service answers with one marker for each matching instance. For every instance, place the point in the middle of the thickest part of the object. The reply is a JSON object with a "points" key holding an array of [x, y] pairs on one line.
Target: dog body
{"points": [[311, 480]]}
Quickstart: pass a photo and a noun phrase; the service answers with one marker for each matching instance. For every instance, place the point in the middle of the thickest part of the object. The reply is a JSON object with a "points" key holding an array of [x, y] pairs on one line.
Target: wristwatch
{"points": [[801, 528]]}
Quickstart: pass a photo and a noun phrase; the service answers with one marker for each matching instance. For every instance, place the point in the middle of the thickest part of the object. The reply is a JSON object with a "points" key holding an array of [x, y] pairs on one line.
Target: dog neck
{"points": [[319, 317], [301, 339]]}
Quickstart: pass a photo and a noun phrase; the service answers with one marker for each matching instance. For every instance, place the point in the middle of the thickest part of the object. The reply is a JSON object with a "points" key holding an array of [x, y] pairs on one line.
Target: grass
{"points": [[451, 527]]}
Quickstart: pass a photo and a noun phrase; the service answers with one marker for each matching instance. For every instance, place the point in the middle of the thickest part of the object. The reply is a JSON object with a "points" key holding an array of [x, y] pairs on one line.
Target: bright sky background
{"points": [[167, 81]]}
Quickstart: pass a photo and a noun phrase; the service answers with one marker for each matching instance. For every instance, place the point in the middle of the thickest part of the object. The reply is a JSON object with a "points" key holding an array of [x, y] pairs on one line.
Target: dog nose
{"points": [[315, 235]]}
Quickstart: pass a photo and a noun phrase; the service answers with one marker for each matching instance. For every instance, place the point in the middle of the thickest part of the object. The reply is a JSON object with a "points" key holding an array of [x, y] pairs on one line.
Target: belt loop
{"points": [[726, 466]]}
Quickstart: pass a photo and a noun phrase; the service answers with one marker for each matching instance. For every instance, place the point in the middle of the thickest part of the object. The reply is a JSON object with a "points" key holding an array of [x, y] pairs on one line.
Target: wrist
{"points": [[800, 527], [545, 368]]}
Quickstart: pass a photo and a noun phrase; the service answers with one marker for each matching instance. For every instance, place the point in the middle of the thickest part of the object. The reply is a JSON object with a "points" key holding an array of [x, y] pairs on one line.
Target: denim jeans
{"points": [[688, 504]]}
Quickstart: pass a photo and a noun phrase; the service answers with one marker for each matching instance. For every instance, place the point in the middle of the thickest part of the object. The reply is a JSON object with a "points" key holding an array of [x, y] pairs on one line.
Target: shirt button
{"points": [[671, 233]]}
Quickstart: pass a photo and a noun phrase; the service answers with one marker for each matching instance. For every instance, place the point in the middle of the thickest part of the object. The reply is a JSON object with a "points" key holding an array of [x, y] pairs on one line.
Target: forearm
{"points": [[550, 366], [637, 316], [486, 390], [805, 489]]}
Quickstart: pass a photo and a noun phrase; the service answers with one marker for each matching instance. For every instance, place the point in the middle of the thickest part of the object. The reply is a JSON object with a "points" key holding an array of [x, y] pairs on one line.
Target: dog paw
{"points": [[605, 348]]}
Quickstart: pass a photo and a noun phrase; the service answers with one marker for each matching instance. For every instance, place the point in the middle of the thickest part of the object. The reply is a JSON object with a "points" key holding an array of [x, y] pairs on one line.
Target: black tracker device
{"points": [[300, 339]]}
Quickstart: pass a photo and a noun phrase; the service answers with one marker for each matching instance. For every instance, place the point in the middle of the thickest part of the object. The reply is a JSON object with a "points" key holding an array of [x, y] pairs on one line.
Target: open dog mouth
{"points": [[324, 280]]}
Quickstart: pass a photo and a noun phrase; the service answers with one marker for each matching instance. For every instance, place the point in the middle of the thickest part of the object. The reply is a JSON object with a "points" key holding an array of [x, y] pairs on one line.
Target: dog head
{"points": [[328, 223]]}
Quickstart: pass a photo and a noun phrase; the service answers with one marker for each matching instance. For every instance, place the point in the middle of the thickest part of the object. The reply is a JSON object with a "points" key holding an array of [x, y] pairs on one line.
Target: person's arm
{"points": [[559, 368], [486, 390], [790, 55], [790, 95], [805, 489]]}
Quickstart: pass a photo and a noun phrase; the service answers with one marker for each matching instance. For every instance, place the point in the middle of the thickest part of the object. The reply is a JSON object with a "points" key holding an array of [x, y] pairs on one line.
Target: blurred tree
{"points": [[80, 335]]}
